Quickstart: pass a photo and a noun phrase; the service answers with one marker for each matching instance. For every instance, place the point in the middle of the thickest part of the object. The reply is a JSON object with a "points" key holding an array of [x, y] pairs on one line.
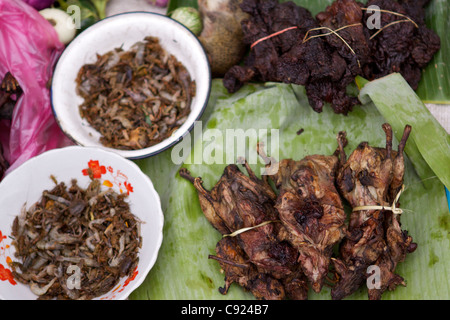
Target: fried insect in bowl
{"points": [[144, 135], [50, 234], [135, 98], [88, 232]]}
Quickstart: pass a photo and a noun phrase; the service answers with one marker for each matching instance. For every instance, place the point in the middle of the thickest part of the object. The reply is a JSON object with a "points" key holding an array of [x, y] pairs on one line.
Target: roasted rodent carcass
{"points": [[311, 210], [239, 201], [371, 177], [237, 268]]}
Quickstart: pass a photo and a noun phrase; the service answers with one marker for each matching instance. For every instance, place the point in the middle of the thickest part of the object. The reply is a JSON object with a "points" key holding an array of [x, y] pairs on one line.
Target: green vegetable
{"points": [[100, 5], [190, 17], [183, 270], [174, 4]]}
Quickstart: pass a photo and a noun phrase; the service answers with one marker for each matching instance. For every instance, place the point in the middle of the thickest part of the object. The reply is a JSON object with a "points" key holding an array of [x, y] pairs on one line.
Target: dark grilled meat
{"points": [[238, 269], [347, 14], [371, 177], [239, 201], [311, 210], [325, 54], [288, 58], [403, 47], [398, 242]]}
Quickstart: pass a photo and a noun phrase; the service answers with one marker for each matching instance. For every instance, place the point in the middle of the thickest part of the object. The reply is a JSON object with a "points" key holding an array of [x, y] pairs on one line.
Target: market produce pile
{"points": [[258, 260], [276, 244], [325, 53]]}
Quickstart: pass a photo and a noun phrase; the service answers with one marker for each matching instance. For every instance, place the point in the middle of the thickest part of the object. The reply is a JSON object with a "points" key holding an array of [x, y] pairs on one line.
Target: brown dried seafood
{"points": [[135, 98], [372, 177], [72, 229], [256, 259], [326, 53]]}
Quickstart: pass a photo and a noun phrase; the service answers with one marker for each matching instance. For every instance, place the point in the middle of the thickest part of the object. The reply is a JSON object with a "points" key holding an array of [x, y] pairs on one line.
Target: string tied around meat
{"points": [[407, 19], [392, 208], [272, 35], [306, 38], [335, 32], [239, 231]]}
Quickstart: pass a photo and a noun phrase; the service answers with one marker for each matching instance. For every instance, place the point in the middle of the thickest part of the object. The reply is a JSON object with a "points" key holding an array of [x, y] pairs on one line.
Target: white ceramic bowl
{"points": [[26, 184], [124, 30]]}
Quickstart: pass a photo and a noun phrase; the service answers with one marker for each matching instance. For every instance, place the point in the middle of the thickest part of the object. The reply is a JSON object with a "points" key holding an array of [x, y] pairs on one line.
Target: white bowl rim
{"points": [[133, 285], [139, 151]]}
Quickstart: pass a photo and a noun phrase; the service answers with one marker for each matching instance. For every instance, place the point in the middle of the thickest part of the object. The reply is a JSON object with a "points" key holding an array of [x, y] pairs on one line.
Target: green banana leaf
{"points": [[429, 146], [183, 270], [434, 86]]}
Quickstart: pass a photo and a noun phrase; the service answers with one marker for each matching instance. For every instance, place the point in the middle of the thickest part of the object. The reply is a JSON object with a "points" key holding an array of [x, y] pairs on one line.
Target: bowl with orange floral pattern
{"points": [[100, 262]]}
